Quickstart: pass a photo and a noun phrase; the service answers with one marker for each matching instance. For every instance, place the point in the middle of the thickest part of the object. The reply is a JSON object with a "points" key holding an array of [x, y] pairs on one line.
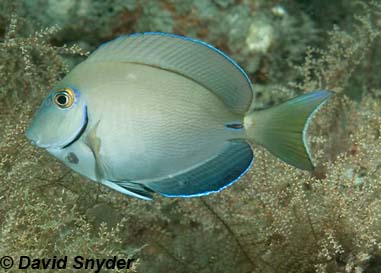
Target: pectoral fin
{"points": [[101, 170], [94, 143], [130, 188]]}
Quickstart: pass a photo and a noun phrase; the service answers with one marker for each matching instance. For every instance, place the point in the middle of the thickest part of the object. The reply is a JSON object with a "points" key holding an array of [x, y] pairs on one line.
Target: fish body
{"points": [[155, 126], [163, 113]]}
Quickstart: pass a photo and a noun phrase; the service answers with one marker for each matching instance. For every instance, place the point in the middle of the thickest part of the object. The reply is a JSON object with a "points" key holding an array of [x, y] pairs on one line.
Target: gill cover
{"points": [[61, 119]]}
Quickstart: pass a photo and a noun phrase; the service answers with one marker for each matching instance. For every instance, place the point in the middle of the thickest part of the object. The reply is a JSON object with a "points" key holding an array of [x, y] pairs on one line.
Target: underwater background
{"points": [[277, 218]]}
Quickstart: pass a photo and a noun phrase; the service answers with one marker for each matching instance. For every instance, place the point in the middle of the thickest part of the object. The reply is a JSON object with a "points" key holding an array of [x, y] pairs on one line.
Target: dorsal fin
{"points": [[188, 57]]}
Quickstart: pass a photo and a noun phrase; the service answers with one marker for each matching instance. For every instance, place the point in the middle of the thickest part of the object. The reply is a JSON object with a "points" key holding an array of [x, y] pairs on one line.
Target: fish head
{"points": [[60, 120]]}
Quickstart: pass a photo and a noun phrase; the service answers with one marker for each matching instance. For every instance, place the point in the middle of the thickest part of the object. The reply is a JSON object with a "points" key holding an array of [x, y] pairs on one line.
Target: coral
{"points": [[339, 61], [31, 59], [154, 18]]}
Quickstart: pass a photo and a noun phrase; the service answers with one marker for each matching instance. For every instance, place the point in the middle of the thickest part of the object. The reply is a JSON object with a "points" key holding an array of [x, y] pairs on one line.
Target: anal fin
{"points": [[210, 176]]}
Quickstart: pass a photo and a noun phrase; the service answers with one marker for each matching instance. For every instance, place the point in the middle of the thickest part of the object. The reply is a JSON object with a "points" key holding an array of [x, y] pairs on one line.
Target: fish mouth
{"points": [[36, 141], [33, 139], [80, 132]]}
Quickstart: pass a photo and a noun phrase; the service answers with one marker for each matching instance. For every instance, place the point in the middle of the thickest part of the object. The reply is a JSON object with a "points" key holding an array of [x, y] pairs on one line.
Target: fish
{"points": [[159, 113]]}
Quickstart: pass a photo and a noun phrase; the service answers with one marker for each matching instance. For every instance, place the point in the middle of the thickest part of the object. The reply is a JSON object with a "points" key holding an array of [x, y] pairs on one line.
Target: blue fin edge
{"points": [[210, 192], [325, 95]]}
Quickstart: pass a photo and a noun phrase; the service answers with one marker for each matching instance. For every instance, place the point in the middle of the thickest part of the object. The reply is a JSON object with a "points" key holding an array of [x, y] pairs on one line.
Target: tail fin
{"points": [[282, 129]]}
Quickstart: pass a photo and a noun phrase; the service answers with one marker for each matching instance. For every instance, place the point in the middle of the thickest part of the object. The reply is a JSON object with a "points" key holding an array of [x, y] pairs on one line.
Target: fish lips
{"points": [[36, 140]]}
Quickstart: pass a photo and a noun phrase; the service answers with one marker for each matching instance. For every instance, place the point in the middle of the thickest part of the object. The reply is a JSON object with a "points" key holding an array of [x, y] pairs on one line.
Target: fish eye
{"points": [[64, 98]]}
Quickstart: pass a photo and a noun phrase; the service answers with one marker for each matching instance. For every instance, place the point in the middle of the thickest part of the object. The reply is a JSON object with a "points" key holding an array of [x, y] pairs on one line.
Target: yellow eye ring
{"points": [[64, 98]]}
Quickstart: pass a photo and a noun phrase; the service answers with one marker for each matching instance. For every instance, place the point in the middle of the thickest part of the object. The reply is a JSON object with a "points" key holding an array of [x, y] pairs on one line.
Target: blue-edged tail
{"points": [[282, 129]]}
